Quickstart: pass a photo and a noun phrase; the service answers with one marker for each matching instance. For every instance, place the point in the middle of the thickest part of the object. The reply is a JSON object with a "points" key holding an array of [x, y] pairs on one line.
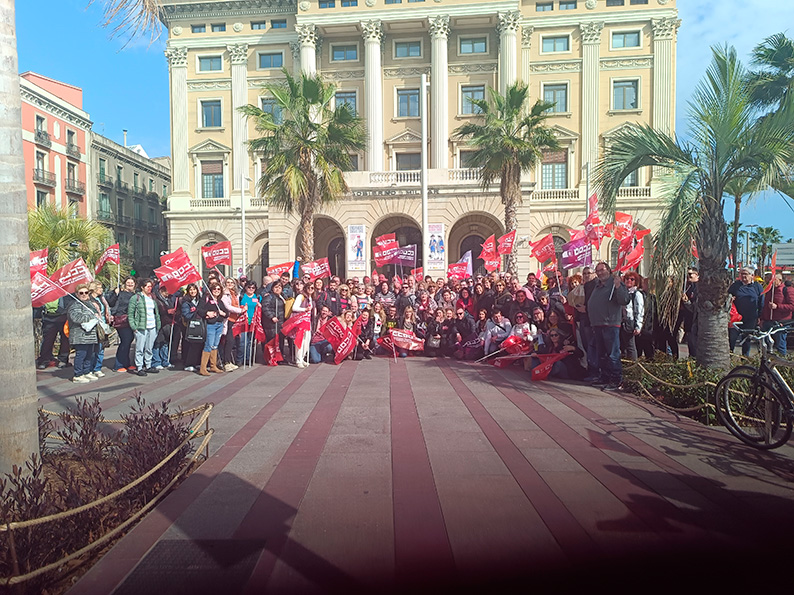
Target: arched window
{"points": [[264, 257], [474, 243]]}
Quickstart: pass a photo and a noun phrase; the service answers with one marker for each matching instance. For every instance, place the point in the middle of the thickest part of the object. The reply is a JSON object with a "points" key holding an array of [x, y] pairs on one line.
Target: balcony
{"points": [[152, 196], [104, 180], [154, 227], [210, 203], [634, 192], [72, 150], [105, 216], [42, 138], [123, 220], [562, 195], [74, 187], [395, 177], [44, 177], [122, 186], [138, 191]]}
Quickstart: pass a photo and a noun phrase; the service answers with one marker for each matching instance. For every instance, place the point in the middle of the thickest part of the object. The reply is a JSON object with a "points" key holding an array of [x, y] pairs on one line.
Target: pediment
{"points": [[210, 146], [405, 137], [624, 127], [564, 134]]}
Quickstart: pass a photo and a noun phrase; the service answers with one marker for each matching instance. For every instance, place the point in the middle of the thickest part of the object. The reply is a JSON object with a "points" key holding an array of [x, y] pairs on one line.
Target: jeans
{"points": [[607, 339], [779, 338], [213, 336], [100, 357], [126, 335], [318, 350], [160, 356], [628, 343], [733, 337], [144, 342], [591, 350], [84, 358]]}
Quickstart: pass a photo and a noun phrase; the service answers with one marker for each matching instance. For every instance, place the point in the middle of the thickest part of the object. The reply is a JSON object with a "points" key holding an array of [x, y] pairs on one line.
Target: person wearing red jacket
{"points": [[778, 306]]}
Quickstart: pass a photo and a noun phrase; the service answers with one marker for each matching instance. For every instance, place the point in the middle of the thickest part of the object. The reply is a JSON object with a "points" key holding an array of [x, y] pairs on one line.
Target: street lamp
{"points": [[242, 222], [747, 244], [425, 229]]}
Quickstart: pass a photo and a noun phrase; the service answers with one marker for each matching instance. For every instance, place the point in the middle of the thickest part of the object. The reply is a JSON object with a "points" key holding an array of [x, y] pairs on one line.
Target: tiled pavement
{"points": [[417, 474]]}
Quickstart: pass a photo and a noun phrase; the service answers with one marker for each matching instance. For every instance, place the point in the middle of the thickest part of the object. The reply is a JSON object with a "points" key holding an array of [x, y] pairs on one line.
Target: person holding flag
{"points": [[301, 313], [274, 315], [248, 302], [53, 317], [212, 309], [747, 296], [778, 306]]}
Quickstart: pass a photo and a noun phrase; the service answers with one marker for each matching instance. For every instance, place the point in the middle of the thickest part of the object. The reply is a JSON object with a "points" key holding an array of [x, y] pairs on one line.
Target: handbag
{"points": [[433, 342], [101, 332], [121, 321], [196, 331]]}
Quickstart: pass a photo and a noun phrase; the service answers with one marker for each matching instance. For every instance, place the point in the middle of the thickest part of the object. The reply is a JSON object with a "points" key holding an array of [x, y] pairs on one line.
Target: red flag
{"points": [[547, 361], [38, 262], [694, 249], [406, 340], [418, 273], [641, 233], [730, 261], [633, 258], [543, 249], [516, 345], [579, 234], [506, 242], [178, 274], [167, 259], [297, 325], [774, 270], [317, 269], [626, 246], [385, 342], [624, 223], [385, 239], [552, 266], [384, 253], [272, 352], [276, 270], [493, 263], [259, 331], [240, 325], [609, 230], [71, 275], [592, 230], [341, 338], [110, 255], [592, 205], [457, 270], [43, 291], [488, 248], [220, 253]]}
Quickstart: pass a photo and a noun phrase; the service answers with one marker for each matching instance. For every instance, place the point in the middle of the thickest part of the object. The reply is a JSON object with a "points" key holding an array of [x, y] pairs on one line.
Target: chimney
{"points": [[125, 138]]}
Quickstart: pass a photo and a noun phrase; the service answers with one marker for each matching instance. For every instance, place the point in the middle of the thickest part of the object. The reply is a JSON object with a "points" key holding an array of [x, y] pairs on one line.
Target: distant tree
{"points": [[772, 83], [763, 238]]}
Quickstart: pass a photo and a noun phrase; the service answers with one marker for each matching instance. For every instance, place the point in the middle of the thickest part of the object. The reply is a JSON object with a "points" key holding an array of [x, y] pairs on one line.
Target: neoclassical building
{"points": [[606, 64]]}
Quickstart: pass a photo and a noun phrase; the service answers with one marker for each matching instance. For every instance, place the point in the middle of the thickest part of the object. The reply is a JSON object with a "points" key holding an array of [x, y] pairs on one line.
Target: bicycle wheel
{"points": [[752, 410]]}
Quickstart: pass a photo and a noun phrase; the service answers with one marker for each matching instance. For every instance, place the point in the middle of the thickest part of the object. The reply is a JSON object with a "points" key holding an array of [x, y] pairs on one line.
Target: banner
{"points": [[488, 249], [633, 258], [578, 234], [38, 262], [317, 269], [551, 267], [341, 338], [547, 361], [406, 340], [297, 325], [220, 253], [256, 323], [272, 352], [577, 253], [167, 259], [384, 254], [177, 275], [457, 270], [240, 325], [466, 259], [43, 291], [356, 259], [624, 223], [112, 254], [506, 242], [515, 345], [593, 230], [436, 254], [71, 275], [543, 249], [405, 256], [493, 264], [385, 239], [276, 270], [418, 274], [592, 205]]}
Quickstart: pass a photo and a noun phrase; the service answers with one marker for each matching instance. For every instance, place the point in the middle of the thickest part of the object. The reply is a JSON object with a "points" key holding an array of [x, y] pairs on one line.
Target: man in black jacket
{"points": [[53, 317], [330, 298]]}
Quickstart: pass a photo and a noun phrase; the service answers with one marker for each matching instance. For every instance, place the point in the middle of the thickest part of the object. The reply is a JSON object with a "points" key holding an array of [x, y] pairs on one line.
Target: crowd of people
{"points": [[596, 318]]}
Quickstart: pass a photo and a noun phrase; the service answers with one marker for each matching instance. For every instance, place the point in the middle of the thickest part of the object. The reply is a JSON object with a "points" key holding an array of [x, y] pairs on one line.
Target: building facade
{"points": [[606, 64], [55, 133]]}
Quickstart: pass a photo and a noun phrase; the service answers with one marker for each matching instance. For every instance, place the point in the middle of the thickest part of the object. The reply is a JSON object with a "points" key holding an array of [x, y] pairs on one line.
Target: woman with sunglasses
{"points": [[523, 328], [188, 308], [212, 309], [144, 319], [97, 296], [567, 368], [503, 297], [231, 299], [83, 317]]}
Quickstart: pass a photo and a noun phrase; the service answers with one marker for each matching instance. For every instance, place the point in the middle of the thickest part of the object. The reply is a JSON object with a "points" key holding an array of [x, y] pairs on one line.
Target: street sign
{"points": [[785, 254]]}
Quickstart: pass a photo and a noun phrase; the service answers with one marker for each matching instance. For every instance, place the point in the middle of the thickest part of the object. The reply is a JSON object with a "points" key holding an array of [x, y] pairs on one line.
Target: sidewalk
{"points": [[444, 476]]}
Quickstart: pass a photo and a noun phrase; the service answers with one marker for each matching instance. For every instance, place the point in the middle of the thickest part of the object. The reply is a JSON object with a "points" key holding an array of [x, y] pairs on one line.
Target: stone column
{"points": [[307, 37], [372, 32], [295, 48], [508, 58], [439, 96], [526, 47], [180, 177], [663, 107], [238, 56], [591, 45]]}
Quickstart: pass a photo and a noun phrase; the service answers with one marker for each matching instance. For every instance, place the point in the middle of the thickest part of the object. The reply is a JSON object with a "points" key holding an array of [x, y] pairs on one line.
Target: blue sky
{"points": [[127, 87]]}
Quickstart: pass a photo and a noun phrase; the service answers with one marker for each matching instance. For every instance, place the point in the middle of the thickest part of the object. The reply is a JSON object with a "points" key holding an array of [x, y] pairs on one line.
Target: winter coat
{"points": [[77, 314], [273, 306], [136, 312], [207, 304]]}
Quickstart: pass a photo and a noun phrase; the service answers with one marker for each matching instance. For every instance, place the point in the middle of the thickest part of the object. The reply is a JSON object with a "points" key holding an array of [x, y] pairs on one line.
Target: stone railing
{"points": [[413, 176], [210, 203], [634, 192], [566, 194]]}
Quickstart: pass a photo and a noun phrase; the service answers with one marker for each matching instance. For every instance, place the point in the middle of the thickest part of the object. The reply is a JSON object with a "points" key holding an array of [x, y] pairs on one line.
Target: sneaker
{"points": [[234, 366], [159, 367], [229, 368], [62, 365], [98, 373], [42, 366], [80, 380], [613, 387], [141, 372], [131, 368], [190, 369], [170, 367], [153, 370], [121, 370], [90, 376]]}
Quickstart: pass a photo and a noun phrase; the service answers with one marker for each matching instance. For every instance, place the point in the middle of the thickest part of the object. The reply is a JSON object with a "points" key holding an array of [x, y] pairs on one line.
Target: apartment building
{"points": [[606, 64]]}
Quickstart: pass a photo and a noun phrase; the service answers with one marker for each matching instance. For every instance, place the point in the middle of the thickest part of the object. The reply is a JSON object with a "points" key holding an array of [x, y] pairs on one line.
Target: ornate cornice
{"points": [[470, 68], [307, 34], [665, 28], [372, 30], [192, 10], [624, 63], [342, 75], [259, 83], [591, 32], [526, 36], [238, 53], [219, 85], [177, 57], [53, 108], [508, 21], [396, 73], [556, 66], [438, 26]]}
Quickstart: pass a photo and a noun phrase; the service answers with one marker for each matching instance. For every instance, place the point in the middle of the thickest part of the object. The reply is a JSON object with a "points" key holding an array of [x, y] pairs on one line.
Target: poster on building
{"points": [[436, 250], [356, 258]]}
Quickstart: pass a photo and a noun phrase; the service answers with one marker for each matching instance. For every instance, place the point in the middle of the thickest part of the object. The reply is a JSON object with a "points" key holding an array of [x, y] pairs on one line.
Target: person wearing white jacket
{"points": [[496, 330], [634, 316], [303, 301]]}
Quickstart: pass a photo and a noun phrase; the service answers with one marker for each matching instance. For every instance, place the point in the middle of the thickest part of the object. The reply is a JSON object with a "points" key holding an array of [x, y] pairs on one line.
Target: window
{"points": [[409, 161], [558, 95], [344, 53], [165, 191], [151, 185], [473, 45], [271, 60], [154, 246], [41, 123], [560, 43], [624, 95], [466, 159], [407, 103], [211, 113], [258, 25], [218, 27], [212, 179], [70, 137], [151, 215], [544, 6], [41, 198], [119, 171], [409, 1], [407, 49], [346, 3], [210, 63], [136, 180], [120, 207], [394, 1], [327, 3], [554, 170], [468, 94], [632, 180], [40, 161], [198, 28], [269, 106], [104, 203], [137, 210], [353, 162], [638, 2], [630, 39], [103, 165], [615, 2], [278, 24], [567, 4], [347, 98], [71, 172], [137, 242]]}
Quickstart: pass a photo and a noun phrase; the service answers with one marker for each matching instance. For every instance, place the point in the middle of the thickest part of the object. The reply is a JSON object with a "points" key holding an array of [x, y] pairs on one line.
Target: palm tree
{"points": [[737, 188], [728, 144], [18, 399], [772, 84], [509, 139], [763, 238], [306, 146], [734, 231]]}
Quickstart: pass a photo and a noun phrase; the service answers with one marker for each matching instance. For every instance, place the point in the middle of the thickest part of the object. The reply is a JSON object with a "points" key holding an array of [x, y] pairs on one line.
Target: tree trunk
{"points": [[307, 234], [735, 237], [19, 437], [511, 198]]}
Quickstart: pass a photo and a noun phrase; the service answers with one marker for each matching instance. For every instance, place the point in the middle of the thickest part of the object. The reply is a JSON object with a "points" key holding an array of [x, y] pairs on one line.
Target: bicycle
{"points": [[756, 403]]}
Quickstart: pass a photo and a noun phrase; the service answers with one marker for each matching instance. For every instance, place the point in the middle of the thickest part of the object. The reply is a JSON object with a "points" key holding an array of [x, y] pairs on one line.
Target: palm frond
{"points": [[132, 17]]}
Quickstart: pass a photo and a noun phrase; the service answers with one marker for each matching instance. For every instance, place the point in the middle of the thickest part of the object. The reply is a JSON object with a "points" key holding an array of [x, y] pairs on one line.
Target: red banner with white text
{"points": [[112, 254], [217, 254], [71, 275], [317, 269], [43, 291]]}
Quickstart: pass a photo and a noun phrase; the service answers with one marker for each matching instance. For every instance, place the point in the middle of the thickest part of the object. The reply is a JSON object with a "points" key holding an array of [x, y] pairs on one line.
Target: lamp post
{"points": [[243, 183], [425, 224], [747, 244]]}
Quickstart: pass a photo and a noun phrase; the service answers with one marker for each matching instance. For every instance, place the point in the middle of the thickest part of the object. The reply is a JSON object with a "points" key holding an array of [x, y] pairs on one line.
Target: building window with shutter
{"points": [[554, 170], [212, 179]]}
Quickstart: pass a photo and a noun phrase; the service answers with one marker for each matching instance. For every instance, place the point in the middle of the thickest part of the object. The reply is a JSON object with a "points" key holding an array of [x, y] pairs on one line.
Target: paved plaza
{"points": [[437, 475]]}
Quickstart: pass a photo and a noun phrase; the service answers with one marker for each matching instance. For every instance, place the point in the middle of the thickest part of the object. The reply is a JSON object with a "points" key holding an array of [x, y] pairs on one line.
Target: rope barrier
{"points": [[671, 385]]}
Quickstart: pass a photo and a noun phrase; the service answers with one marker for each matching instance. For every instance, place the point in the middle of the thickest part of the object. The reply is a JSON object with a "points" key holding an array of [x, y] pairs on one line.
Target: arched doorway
{"points": [[469, 233], [406, 232], [473, 243], [328, 235], [336, 257], [222, 268]]}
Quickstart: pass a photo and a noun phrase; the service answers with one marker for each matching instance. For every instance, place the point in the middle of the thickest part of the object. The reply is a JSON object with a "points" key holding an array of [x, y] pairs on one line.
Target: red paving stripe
{"points": [[272, 514], [654, 511], [106, 383], [109, 572], [421, 544], [573, 539]]}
